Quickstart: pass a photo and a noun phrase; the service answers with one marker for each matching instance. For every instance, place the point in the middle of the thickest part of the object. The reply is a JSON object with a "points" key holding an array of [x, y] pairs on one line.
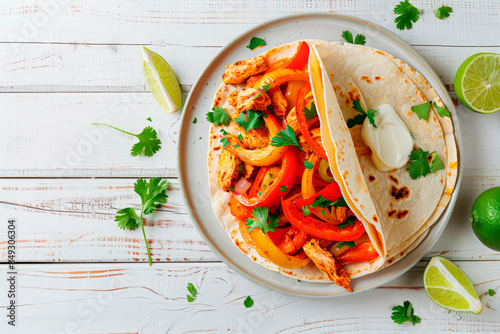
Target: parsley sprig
{"points": [[408, 14], [285, 137], [148, 143], [443, 11], [310, 112], [153, 195], [218, 116], [359, 39], [360, 118], [248, 302], [263, 220], [255, 43], [253, 120], [419, 163], [350, 244], [405, 313]]}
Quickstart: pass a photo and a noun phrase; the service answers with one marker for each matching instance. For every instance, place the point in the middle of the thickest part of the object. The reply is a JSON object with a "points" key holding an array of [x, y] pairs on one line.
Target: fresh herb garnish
{"points": [[225, 142], [248, 302], [218, 116], [359, 119], [321, 202], [148, 143], [347, 36], [443, 11], [257, 96], [349, 221], [340, 202], [422, 110], [408, 14], [255, 120], [443, 112], [305, 210], [265, 88], [491, 292], [310, 112], [255, 43], [349, 244], [283, 188], [192, 292], [153, 195], [260, 219], [419, 163], [285, 137], [231, 189], [308, 165], [195, 120], [224, 132], [404, 313], [149, 119], [240, 137]]}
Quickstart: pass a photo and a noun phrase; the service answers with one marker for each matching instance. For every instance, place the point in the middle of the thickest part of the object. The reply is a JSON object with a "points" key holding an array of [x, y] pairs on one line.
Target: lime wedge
{"points": [[161, 80], [447, 286], [477, 83]]}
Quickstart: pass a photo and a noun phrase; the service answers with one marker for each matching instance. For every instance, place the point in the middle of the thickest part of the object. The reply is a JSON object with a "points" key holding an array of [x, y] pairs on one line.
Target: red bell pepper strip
{"points": [[361, 253], [301, 120], [254, 189], [238, 210], [319, 228], [331, 192], [272, 195], [301, 57], [289, 239]]}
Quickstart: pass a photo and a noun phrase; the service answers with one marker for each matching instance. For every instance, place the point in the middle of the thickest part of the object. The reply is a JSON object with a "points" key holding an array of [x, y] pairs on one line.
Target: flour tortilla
{"points": [[374, 77]]}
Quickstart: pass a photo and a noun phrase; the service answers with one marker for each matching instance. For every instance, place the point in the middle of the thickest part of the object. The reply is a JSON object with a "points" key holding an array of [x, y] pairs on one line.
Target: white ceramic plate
{"points": [[193, 150]]}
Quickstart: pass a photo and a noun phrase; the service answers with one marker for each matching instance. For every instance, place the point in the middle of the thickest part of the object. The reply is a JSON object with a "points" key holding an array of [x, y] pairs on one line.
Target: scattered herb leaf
{"points": [[491, 292], [360, 39], [443, 112], [305, 210], [262, 219], [340, 202], [347, 36], [349, 244], [310, 112], [283, 188], [404, 313], [349, 221], [443, 11], [321, 202], [255, 120], [225, 142], [436, 163], [195, 120], [408, 14], [149, 119], [257, 96], [422, 110], [255, 43], [240, 137], [193, 292], [285, 137], [248, 302], [371, 116], [419, 163], [218, 116], [265, 88], [308, 165]]}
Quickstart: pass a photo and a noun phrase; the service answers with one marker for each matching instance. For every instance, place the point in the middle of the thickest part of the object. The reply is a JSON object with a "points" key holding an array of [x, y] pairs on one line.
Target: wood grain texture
{"points": [[72, 220], [119, 298], [214, 23], [26, 67]]}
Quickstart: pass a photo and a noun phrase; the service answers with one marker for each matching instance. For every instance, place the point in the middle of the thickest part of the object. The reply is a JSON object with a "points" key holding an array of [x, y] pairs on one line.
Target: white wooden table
{"points": [[65, 64]]}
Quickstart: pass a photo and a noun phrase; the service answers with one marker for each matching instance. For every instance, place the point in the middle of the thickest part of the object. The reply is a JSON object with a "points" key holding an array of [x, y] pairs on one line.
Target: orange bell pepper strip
{"points": [[272, 194], [301, 119], [279, 77], [267, 249], [245, 234], [238, 210], [361, 253], [264, 156], [319, 228]]}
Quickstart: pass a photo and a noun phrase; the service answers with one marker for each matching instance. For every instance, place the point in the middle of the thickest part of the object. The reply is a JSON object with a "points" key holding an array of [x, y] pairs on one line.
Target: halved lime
{"points": [[477, 83], [161, 80], [447, 286]]}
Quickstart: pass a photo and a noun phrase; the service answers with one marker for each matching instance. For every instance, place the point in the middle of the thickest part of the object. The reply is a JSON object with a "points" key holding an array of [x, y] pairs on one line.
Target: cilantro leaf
{"points": [[285, 137], [405, 313], [193, 292], [443, 11], [321, 202], [358, 119], [306, 211], [422, 110], [436, 163], [224, 132], [349, 221], [491, 292], [283, 188], [149, 119], [218, 116], [255, 43], [419, 165], [340, 202], [248, 302], [308, 165], [255, 120], [128, 219], [265, 88], [195, 120], [260, 220], [148, 143], [357, 105], [360, 39], [407, 14], [347, 36], [153, 195], [443, 112], [240, 137], [225, 142], [370, 113], [349, 244], [310, 112]]}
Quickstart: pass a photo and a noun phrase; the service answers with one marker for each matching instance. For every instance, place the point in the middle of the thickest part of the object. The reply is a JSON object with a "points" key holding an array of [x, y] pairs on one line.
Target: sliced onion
{"points": [[242, 186]]}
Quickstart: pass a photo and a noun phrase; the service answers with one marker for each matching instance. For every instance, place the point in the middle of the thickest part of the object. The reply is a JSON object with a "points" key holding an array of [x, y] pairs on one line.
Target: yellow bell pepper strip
{"points": [[281, 76], [308, 190], [301, 119], [267, 249], [264, 156], [273, 194]]}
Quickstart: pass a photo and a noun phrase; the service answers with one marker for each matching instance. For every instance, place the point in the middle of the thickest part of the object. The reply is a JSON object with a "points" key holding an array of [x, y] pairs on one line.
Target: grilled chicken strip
{"points": [[228, 169], [316, 136], [243, 69], [278, 101], [328, 265], [252, 98]]}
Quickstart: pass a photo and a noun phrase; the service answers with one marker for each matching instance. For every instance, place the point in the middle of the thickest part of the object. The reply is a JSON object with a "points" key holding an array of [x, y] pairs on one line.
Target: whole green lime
{"points": [[485, 218]]}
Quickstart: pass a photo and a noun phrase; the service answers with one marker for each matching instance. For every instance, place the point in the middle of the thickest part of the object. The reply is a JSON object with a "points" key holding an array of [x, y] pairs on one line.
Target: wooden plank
{"points": [[93, 68], [119, 298], [72, 220], [215, 23], [72, 147]]}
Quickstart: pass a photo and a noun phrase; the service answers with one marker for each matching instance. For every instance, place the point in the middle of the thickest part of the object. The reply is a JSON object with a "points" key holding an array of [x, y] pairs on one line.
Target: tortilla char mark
{"points": [[401, 193], [398, 214]]}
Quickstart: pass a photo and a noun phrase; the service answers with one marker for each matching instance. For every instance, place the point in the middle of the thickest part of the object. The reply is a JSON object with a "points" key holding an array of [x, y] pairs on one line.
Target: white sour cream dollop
{"points": [[391, 142]]}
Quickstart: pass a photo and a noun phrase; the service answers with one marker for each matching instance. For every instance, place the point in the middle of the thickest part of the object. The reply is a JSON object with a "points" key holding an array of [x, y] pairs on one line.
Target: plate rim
{"points": [[440, 224]]}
